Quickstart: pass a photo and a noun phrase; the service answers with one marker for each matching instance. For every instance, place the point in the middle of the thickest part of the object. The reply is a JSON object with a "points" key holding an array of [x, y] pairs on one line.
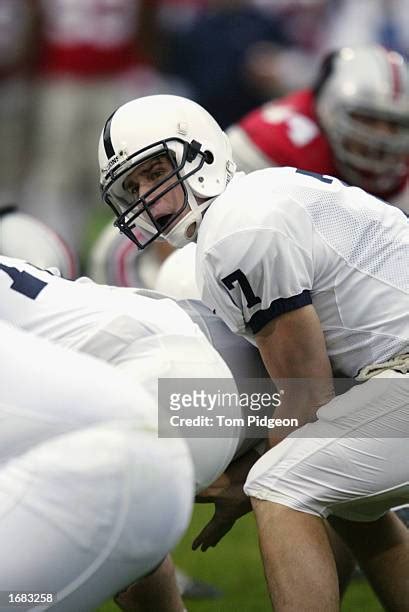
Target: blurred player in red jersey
{"points": [[352, 123]]}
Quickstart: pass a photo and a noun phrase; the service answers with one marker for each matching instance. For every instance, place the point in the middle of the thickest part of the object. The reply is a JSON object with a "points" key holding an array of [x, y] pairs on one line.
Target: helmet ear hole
{"points": [[208, 157]]}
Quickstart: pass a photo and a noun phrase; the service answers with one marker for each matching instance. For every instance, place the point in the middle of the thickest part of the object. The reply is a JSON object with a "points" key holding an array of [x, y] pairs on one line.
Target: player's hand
{"points": [[226, 513], [229, 499], [213, 532]]}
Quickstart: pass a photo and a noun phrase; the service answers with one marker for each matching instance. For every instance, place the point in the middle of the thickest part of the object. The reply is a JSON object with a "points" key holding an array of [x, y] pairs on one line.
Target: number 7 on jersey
{"points": [[239, 277]]}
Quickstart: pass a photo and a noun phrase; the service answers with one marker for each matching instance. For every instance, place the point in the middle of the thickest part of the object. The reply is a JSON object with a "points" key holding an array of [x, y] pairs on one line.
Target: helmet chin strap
{"points": [[179, 235]]}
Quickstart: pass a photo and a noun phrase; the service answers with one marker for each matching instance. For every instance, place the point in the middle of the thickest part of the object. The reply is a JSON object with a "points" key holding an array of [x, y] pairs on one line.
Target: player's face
{"points": [[382, 129], [146, 177]]}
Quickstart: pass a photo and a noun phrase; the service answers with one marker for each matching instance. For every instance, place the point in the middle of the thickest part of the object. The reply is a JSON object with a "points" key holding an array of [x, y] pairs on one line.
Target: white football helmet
{"points": [[200, 156], [358, 89], [113, 260], [177, 276], [25, 237]]}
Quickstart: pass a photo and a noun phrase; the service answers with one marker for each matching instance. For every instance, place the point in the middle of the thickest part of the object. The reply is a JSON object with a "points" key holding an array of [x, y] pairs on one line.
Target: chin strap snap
{"points": [[192, 151]]}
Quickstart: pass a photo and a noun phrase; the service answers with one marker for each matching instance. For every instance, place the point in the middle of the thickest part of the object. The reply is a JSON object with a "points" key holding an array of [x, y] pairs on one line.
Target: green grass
{"points": [[235, 567]]}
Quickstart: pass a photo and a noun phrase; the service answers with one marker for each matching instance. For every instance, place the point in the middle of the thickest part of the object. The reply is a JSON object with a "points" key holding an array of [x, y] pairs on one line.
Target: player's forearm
{"points": [[293, 350], [305, 384], [301, 399]]}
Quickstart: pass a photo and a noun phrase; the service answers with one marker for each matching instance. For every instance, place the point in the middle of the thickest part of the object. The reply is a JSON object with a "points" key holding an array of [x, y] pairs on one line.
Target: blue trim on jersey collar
{"points": [[277, 308]]}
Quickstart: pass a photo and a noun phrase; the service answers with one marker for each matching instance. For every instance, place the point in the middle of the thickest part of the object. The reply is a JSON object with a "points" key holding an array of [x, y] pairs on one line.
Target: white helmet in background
{"points": [[176, 277], [25, 237], [113, 260], [200, 156], [362, 105]]}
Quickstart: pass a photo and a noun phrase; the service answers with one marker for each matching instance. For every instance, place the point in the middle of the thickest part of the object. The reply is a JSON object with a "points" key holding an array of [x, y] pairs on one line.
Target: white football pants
{"points": [[353, 462], [90, 498]]}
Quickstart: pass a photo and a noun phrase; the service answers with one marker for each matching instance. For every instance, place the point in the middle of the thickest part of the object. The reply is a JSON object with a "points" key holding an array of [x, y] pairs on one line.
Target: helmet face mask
{"points": [[194, 164], [134, 212], [371, 150], [363, 107]]}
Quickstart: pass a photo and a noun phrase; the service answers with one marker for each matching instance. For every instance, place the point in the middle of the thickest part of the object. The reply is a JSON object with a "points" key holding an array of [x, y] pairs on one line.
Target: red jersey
{"points": [[285, 132], [92, 37]]}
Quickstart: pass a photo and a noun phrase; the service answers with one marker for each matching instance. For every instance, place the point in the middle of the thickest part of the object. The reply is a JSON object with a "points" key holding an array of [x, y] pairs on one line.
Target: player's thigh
{"points": [[85, 514], [351, 462]]}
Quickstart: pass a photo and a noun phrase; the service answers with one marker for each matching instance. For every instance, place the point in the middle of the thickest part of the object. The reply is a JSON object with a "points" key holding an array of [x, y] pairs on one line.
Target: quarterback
{"points": [[314, 273]]}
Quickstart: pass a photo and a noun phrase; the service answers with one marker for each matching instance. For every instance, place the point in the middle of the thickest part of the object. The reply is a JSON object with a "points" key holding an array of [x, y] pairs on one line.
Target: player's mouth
{"points": [[163, 220]]}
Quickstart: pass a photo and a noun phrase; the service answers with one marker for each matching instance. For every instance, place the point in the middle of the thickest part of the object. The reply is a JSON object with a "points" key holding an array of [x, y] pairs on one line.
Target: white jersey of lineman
{"points": [[147, 339], [280, 238], [73, 313]]}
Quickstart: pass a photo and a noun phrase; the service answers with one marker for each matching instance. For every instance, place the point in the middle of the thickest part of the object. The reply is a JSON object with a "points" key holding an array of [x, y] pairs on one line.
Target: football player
{"points": [[112, 262], [91, 498], [353, 123], [146, 335], [314, 273], [145, 338]]}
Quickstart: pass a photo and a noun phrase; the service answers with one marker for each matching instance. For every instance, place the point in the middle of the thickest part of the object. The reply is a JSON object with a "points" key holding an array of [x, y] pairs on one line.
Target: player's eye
{"points": [[131, 187], [156, 174]]}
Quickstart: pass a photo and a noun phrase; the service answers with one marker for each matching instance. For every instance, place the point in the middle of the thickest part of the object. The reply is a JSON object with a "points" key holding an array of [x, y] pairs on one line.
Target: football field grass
{"points": [[235, 568]]}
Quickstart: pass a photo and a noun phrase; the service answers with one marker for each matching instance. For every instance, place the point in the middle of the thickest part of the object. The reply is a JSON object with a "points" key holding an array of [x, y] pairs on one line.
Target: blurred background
{"points": [[66, 64]]}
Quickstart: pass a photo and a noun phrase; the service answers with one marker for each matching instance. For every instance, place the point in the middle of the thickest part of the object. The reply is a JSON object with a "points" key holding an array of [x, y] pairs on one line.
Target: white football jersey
{"points": [[280, 238], [73, 313], [147, 339]]}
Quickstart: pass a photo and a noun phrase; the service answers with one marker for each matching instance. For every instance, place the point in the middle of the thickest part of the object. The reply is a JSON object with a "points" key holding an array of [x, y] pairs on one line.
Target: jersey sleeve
{"points": [[256, 275]]}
